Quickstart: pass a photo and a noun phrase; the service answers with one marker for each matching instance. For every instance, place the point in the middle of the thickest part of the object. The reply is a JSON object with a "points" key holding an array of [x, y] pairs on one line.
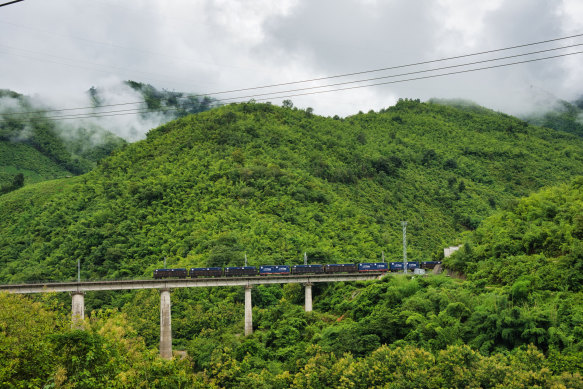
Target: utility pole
{"points": [[165, 262], [78, 269], [245, 259], [383, 256], [305, 259], [404, 224]]}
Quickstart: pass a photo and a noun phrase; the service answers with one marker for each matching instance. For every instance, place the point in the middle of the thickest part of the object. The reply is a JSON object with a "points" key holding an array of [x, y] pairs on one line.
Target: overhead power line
{"points": [[277, 94], [422, 78], [138, 111], [410, 73], [398, 66], [11, 2]]}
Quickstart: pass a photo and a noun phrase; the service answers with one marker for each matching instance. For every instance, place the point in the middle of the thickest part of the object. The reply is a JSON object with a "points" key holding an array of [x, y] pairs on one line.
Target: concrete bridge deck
{"points": [[87, 286], [78, 290]]}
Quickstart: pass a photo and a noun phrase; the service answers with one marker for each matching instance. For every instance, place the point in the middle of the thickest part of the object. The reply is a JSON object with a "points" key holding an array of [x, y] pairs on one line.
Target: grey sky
{"points": [[58, 49]]}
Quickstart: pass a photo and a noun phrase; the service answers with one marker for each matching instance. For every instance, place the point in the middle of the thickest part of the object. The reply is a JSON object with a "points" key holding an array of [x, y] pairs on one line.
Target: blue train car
{"points": [[206, 272], [378, 266], [170, 273], [396, 266], [307, 269], [412, 265], [240, 271], [266, 270]]}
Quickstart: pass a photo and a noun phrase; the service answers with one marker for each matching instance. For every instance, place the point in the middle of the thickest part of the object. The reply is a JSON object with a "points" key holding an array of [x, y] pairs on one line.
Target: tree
{"points": [[18, 181]]}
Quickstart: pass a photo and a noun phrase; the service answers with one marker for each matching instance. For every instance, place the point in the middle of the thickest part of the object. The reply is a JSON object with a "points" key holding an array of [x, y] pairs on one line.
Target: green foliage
{"points": [[535, 244], [39, 148], [84, 358], [17, 183], [563, 116], [277, 182], [171, 104]]}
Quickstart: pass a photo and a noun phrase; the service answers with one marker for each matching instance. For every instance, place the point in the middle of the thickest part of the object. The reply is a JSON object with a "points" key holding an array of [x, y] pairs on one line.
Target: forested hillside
{"points": [[274, 183], [277, 182], [38, 148], [520, 328], [536, 243], [562, 116], [40, 142]]}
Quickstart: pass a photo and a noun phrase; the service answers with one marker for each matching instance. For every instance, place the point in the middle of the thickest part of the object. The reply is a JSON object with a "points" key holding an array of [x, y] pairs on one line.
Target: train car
{"points": [[412, 265], [340, 268], [378, 266], [429, 264], [240, 271], [396, 266], [206, 272], [170, 273], [268, 270], [307, 269]]}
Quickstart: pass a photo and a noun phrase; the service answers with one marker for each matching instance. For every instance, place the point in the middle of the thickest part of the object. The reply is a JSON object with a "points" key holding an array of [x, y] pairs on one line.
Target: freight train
{"points": [[270, 270]]}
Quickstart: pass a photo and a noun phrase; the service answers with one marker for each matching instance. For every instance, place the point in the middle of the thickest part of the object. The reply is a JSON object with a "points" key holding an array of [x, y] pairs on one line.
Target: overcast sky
{"points": [[58, 49]]}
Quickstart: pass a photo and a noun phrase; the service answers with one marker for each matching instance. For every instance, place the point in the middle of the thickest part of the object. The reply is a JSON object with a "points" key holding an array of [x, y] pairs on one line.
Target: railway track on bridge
{"points": [[87, 286]]}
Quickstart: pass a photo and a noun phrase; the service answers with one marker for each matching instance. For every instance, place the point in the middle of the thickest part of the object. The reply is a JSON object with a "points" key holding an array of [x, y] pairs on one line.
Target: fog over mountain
{"points": [[54, 49]]}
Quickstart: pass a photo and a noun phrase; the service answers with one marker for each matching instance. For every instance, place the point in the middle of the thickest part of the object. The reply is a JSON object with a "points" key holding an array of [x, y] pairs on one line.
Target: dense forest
{"points": [[39, 148], [273, 183], [40, 142], [562, 116]]}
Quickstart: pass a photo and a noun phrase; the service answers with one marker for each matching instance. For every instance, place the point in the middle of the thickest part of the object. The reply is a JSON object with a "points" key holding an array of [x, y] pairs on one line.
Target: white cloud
{"points": [[57, 49]]}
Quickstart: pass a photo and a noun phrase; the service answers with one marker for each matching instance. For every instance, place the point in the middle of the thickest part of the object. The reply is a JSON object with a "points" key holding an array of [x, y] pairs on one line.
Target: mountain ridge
{"points": [[277, 182]]}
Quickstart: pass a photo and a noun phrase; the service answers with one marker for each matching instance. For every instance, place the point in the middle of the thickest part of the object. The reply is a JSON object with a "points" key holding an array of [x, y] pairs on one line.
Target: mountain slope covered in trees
{"points": [[39, 148], [40, 143], [277, 182], [563, 116], [421, 332]]}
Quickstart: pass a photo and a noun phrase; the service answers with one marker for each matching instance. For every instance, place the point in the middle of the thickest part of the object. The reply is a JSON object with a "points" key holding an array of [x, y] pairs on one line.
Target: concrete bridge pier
{"points": [[308, 299], [77, 310], [165, 325], [248, 311]]}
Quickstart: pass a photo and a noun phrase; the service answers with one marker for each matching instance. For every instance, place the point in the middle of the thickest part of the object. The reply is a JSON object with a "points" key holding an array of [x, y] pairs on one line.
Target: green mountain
{"points": [[277, 182], [171, 103], [39, 148], [535, 244], [564, 116]]}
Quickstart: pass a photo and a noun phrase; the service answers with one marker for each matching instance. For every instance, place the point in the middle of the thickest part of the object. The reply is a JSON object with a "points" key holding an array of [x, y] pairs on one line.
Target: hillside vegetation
{"points": [[41, 148], [277, 182], [537, 243], [564, 116], [411, 332]]}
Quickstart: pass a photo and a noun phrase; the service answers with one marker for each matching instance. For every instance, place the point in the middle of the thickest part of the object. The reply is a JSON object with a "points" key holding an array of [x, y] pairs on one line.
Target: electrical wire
{"points": [[11, 2], [399, 66], [410, 73], [421, 78], [261, 95], [138, 111]]}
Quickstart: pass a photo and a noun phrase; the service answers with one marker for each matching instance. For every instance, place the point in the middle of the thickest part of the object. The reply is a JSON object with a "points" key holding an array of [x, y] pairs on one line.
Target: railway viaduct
{"points": [[78, 290]]}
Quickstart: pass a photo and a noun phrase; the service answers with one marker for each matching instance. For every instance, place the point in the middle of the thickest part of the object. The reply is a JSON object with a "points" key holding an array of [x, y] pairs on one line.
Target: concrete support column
{"points": [[77, 310], [308, 301], [165, 325], [248, 311]]}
